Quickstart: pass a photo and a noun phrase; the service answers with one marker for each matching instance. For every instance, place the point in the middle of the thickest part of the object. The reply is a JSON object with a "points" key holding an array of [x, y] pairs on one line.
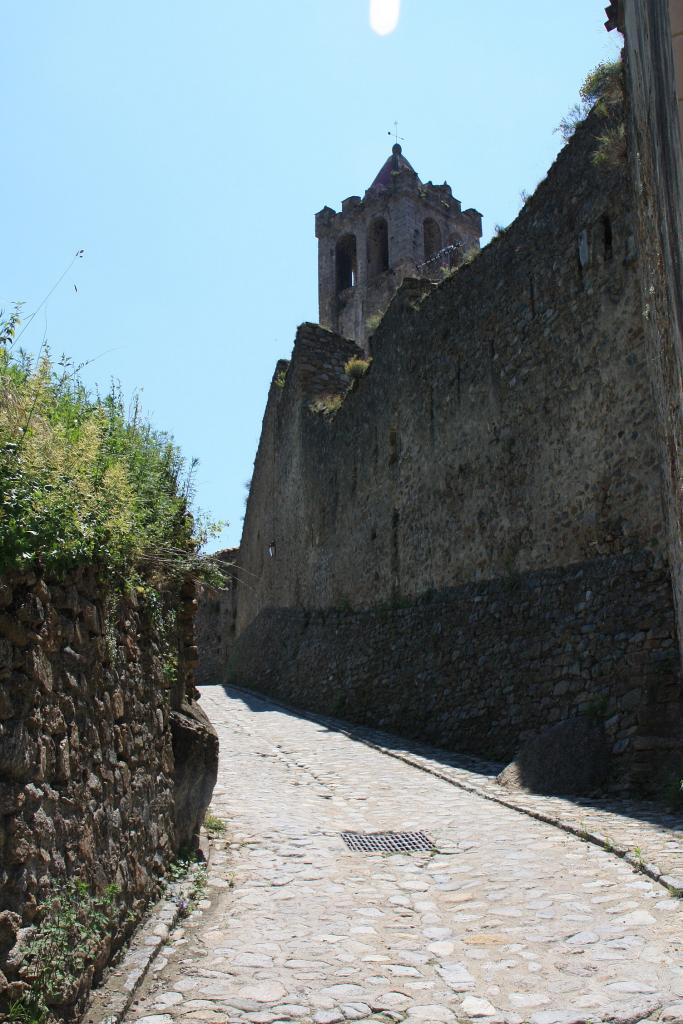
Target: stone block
{"points": [[13, 630], [570, 758], [90, 617], [38, 667], [19, 752], [31, 611], [195, 757]]}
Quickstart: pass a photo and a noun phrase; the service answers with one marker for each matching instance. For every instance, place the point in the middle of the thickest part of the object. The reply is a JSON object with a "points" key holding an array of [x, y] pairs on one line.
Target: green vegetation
{"points": [[357, 367], [468, 257], [28, 1011], [187, 868], [471, 255], [214, 825], [611, 147], [281, 378], [163, 617], [328, 405], [83, 480], [373, 322], [72, 924], [673, 793], [603, 87], [602, 91]]}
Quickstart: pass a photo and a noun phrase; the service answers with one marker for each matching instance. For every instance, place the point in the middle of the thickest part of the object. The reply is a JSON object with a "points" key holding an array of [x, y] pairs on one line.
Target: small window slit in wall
{"points": [[378, 247], [431, 416], [608, 250], [346, 263], [393, 446], [583, 253], [432, 238]]}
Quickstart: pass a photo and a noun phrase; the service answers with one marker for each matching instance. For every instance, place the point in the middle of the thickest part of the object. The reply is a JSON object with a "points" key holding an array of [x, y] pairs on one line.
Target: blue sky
{"points": [[187, 146]]}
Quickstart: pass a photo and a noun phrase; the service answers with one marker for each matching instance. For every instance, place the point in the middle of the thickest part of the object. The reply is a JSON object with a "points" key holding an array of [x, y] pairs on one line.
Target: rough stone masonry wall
{"points": [[653, 70], [215, 628], [506, 424], [99, 748], [506, 427], [483, 667]]}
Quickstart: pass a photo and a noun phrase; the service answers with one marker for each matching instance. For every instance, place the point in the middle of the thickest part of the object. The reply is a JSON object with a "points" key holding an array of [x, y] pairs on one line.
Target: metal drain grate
{"points": [[387, 842]]}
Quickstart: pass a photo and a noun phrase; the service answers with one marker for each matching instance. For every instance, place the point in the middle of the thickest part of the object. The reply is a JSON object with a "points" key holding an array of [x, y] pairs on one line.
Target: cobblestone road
{"points": [[509, 920]]}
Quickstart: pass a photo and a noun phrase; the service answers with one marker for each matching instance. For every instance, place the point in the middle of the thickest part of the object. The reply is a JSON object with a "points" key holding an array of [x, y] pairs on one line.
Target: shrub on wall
{"points": [[83, 480], [327, 405], [603, 92], [356, 367]]}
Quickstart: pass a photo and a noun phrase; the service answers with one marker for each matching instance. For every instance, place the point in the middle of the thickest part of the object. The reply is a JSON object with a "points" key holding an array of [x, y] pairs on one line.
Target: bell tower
{"points": [[400, 228]]}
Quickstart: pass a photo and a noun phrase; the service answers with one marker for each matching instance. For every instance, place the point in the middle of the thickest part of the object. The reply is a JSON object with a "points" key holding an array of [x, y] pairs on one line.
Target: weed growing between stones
{"points": [[73, 925], [357, 367], [214, 825], [27, 1011], [328, 405], [673, 793], [471, 255], [164, 622], [373, 322], [603, 92], [611, 146], [187, 868]]}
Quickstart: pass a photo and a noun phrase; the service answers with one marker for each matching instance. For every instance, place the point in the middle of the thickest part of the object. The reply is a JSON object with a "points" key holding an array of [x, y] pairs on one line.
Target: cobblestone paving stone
{"points": [[648, 837], [508, 920]]}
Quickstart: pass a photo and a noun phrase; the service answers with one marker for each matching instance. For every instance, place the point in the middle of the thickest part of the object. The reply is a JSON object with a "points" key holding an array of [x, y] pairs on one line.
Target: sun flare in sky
{"points": [[384, 16]]}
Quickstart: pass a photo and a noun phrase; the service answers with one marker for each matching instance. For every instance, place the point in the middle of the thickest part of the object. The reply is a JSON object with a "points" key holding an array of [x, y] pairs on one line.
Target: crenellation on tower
{"points": [[402, 227]]}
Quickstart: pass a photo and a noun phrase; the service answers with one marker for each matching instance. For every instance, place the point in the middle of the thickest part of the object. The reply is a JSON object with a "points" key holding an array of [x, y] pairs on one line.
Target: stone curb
{"points": [[673, 885], [110, 1003]]}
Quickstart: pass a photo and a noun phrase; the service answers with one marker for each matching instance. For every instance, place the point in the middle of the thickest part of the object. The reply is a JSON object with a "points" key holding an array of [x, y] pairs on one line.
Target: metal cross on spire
{"points": [[398, 138]]}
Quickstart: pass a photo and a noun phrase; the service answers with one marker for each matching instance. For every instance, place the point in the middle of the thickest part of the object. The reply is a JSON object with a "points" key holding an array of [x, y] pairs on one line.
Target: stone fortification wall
{"points": [[506, 424], [106, 762], [506, 428], [654, 76], [483, 667], [215, 630]]}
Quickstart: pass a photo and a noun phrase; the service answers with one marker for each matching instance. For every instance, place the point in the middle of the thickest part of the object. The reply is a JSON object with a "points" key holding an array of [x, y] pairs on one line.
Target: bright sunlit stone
{"points": [[384, 16]]}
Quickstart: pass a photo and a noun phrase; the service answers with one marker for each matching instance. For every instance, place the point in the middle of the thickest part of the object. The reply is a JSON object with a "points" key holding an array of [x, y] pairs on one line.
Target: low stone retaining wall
{"points": [[101, 742], [484, 667]]}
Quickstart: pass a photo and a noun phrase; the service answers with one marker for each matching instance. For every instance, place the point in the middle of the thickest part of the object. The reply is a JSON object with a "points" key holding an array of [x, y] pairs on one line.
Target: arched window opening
{"points": [[432, 238], [378, 247], [607, 237], [347, 266]]}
